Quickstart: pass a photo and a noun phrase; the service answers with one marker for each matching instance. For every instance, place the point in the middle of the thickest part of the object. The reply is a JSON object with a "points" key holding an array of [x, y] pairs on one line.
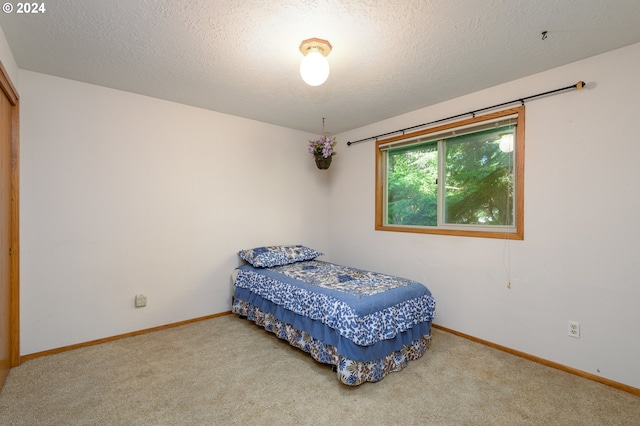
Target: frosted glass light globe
{"points": [[506, 143], [314, 68]]}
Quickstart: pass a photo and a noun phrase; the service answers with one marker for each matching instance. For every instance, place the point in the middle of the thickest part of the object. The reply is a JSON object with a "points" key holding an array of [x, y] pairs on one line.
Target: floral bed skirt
{"points": [[350, 372]]}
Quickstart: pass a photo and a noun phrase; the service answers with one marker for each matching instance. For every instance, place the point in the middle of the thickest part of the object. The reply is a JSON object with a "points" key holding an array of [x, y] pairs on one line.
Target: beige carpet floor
{"points": [[228, 371]]}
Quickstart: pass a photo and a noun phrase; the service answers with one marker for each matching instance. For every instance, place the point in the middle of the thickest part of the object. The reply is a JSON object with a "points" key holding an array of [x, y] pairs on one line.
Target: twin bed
{"points": [[364, 323]]}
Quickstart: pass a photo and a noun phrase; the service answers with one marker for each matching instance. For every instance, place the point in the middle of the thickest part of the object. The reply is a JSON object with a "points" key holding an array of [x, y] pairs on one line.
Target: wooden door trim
{"points": [[11, 93]]}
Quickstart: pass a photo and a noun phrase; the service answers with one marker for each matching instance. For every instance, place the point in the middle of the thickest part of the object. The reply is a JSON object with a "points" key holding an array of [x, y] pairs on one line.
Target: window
{"points": [[463, 178]]}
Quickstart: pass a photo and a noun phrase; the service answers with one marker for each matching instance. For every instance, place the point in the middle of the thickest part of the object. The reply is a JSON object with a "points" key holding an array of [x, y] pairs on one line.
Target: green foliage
{"points": [[412, 190], [478, 186]]}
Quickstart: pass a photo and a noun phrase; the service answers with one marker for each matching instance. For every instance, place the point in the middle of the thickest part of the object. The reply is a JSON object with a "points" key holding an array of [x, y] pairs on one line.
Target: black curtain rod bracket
{"points": [[579, 85]]}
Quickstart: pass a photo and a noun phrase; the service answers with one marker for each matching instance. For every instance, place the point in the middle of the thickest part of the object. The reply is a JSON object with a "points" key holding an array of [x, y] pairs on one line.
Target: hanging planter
{"points": [[322, 149], [322, 162]]}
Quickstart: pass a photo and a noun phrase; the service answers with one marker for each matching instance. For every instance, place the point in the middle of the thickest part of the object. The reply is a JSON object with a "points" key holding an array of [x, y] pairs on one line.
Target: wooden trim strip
{"points": [[584, 374], [118, 337], [15, 234], [6, 85]]}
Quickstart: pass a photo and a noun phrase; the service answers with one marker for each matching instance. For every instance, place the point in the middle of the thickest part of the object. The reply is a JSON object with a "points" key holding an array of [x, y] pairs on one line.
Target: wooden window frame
{"points": [[518, 234]]}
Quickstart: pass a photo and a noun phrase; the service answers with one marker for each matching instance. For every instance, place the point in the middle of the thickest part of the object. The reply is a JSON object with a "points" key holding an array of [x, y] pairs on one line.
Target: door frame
{"points": [[11, 93]]}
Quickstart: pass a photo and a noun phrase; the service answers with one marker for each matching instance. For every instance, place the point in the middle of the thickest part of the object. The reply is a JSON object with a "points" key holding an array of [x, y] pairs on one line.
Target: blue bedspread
{"points": [[346, 307]]}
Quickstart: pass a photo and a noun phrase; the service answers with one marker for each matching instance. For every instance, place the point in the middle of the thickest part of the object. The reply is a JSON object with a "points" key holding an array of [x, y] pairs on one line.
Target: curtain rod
{"points": [[579, 85]]}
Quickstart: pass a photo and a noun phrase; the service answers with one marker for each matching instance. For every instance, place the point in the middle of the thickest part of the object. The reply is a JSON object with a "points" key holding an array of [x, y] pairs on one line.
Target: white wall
{"points": [[581, 253], [124, 194]]}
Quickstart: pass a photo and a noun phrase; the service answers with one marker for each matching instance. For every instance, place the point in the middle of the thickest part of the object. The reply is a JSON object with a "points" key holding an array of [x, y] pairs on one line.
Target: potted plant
{"points": [[322, 150]]}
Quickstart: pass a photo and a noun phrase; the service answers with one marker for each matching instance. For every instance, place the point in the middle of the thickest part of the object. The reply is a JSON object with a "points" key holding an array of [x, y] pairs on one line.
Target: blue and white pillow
{"points": [[266, 257]]}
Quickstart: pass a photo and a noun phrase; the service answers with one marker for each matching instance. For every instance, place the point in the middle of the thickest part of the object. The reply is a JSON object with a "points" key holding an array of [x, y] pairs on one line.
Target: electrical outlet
{"points": [[574, 329], [141, 300]]}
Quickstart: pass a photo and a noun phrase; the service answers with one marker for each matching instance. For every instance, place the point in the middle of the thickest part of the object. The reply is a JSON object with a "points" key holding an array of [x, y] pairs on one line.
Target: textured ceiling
{"points": [[241, 57]]}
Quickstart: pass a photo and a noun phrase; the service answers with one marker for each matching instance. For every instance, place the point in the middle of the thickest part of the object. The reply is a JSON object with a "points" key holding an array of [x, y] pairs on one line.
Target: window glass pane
{"points": [[478, 187], [462, 178], [412, 189]]}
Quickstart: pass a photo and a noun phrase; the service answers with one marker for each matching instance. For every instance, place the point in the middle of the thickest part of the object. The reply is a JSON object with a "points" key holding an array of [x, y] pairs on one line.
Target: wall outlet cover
{"points": [[141, 300], [574, 329]]}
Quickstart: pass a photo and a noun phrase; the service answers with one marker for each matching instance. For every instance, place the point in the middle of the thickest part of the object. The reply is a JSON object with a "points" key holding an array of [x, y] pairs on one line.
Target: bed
{"points": [[365, 324]]}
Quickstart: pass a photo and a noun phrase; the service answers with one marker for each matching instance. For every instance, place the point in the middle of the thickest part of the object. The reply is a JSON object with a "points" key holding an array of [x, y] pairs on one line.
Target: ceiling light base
{"points": [[322, 46]]}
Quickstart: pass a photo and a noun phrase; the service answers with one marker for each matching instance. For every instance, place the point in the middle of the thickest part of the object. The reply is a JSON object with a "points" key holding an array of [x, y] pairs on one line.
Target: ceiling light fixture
{"points": [[314, 67], [506, 142]]}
